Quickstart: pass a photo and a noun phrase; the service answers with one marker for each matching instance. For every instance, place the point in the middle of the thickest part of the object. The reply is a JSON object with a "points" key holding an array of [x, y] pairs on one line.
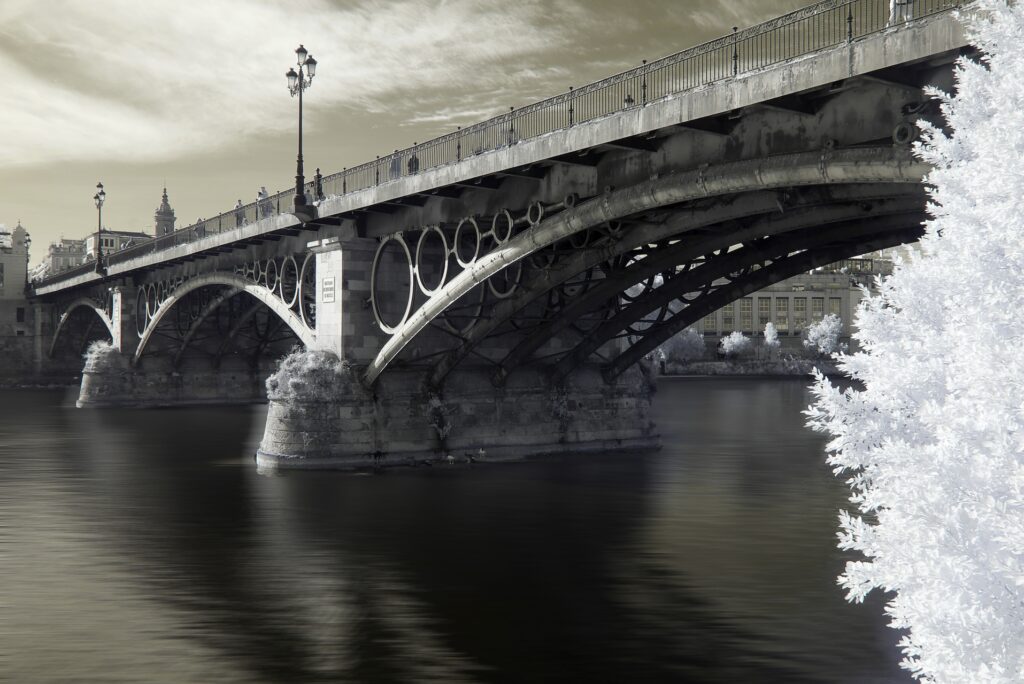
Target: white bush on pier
{"points": [[933, 445], [309, 376]]}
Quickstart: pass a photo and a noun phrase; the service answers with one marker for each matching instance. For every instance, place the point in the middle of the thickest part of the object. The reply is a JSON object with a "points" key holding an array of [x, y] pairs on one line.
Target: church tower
{"points": [[164, 218]]}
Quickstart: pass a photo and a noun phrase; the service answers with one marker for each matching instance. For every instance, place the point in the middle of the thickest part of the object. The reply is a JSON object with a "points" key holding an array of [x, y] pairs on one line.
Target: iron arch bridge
{"points": [[557, 284], [83, 320], [257, 310], [523, 266]]}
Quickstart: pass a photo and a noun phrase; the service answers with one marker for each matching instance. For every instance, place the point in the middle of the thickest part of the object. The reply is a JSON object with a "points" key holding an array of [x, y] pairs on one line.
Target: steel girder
{"points": [[851, 166]]}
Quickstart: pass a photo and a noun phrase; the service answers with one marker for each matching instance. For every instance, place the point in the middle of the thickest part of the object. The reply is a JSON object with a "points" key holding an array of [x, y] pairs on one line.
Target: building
{"points": [[14, 310], [794, 304], [113, 241], [60, 256], [164, 217]]}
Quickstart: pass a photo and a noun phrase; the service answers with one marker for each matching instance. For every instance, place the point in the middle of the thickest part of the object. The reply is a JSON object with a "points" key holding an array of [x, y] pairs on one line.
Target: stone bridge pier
{"points": [[324, 412]]}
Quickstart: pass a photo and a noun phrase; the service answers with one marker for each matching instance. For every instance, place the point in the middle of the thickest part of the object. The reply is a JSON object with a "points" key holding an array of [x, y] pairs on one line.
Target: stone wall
{"points": [[399, 422], [109, 380]]}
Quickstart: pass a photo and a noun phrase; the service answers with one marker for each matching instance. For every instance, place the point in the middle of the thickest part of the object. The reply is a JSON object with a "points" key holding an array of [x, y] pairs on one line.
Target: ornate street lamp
{"points": [[99, 197], [297, 82]]}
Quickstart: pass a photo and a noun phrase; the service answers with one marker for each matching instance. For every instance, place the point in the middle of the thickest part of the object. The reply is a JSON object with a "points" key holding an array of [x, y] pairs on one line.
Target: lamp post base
{"points": [[305, 212]]}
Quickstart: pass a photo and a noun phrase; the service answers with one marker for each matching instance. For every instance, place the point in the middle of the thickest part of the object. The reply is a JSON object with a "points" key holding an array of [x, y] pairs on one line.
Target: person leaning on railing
{"points": [[263, 202], [900, 11]]}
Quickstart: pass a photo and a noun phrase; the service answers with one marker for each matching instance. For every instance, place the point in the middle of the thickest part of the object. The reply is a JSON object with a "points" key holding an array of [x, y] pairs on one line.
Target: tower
{"points": [[164, 217]]}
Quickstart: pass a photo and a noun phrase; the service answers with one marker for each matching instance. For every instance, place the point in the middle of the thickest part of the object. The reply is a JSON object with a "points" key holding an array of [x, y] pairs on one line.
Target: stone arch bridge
{"points": [[498, 288]]}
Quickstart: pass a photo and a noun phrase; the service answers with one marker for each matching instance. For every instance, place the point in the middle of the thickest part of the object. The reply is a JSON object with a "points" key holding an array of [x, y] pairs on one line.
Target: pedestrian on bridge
{"points": [[263, 201], [414, 164], [900, 11], [239, 214]]}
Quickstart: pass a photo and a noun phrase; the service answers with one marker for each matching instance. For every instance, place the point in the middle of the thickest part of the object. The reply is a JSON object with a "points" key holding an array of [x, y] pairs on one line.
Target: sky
{"points": [[192, 95]]}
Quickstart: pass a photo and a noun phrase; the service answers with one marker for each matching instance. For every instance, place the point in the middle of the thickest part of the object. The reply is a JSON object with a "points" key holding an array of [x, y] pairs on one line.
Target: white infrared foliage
{"points": [[686, 346], [736, 344], [771, 337], [822, 337], [931, 440]]}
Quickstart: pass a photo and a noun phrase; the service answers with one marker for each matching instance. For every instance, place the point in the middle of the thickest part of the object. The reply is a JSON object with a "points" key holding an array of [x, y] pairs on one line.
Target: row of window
{"points": [[746, 321]]}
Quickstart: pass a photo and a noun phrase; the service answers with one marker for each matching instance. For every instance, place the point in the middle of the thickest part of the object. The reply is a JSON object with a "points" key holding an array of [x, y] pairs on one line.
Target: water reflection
{"points": [[143, 546]]}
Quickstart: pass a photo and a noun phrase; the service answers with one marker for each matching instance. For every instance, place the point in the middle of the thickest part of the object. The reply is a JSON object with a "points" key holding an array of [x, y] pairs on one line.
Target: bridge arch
{"points": [[737, 273], [234, 284], [754, 178], [82, 303]]}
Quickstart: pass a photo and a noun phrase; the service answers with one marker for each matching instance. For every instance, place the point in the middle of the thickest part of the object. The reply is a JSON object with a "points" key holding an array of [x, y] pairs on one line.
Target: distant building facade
{"points": [[60, 256], [113, 241], [797, 302], [14, 310]]}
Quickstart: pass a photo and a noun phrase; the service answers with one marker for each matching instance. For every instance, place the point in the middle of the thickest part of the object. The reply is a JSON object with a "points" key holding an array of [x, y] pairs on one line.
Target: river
{"points": [[143, 546]]}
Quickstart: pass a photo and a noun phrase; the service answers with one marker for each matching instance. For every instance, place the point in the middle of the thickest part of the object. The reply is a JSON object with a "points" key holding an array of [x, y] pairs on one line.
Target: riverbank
{"points": [[785, 367], [7, 384]]}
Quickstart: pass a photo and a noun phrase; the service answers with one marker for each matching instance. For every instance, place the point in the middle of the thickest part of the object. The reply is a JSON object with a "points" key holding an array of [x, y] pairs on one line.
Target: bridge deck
{"points": [[843, 57]]}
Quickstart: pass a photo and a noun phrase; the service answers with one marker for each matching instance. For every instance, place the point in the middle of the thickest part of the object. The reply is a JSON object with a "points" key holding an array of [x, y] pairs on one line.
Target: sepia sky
{"points": [[193, 95]]}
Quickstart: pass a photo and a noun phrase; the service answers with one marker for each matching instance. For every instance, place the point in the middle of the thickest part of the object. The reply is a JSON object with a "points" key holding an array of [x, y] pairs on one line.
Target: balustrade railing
{"points": [[817, 27]]}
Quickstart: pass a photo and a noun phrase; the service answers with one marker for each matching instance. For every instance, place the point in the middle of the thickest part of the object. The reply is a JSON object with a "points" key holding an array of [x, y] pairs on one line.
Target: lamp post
{"points": [[297, 82], [99, 197]]}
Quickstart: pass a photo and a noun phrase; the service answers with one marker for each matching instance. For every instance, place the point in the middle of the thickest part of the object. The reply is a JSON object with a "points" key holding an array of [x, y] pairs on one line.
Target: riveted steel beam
{"points": [[757, 280], [688, 249], [758, 253]]}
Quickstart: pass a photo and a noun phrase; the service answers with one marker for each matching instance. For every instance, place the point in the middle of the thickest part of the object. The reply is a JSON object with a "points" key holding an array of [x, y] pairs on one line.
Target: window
{"points": [[817, 308], [799, 314], [1, 276], [764, 311], [835, 306], [711, 323], [746, 314], [782, 315], [19, 333], [20, 315], [729, 317]]}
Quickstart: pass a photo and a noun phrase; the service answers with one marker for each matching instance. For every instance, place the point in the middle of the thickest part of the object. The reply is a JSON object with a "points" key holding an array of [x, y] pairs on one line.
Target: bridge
{"points": [[497, 288]]}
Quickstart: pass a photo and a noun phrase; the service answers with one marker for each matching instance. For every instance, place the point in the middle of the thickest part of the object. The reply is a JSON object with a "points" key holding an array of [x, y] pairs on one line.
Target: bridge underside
{"points": [[578, 287]]}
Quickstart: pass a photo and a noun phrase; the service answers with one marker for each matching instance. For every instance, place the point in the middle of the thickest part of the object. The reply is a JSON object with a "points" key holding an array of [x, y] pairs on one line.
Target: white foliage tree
{"points": [[686, 346], [735, 344], [933, 443], [771, 338], [822, 337]]}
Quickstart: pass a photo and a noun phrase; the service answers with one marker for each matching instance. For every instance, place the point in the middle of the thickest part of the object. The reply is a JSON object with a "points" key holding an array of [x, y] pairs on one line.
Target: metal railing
{"points": [[817, 27]]}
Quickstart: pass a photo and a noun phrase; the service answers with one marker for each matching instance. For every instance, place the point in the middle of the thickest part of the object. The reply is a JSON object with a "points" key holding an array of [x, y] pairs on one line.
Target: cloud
{"points": [[143, 81]]}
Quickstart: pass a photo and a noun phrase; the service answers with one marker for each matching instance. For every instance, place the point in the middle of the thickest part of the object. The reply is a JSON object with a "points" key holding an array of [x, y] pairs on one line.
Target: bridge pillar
{"points": [[344, 322], [125, 333], [330, 296], [41, 315]]}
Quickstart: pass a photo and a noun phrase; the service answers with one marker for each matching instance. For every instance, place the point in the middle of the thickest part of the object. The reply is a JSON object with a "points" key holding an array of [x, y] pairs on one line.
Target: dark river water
{"points": [[140, 546]]}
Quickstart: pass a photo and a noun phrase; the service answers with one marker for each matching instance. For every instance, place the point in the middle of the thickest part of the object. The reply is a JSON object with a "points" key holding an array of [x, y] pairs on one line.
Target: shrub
{"points": [[736, 344], [822, 338], [686, 346], [310, 376]]}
